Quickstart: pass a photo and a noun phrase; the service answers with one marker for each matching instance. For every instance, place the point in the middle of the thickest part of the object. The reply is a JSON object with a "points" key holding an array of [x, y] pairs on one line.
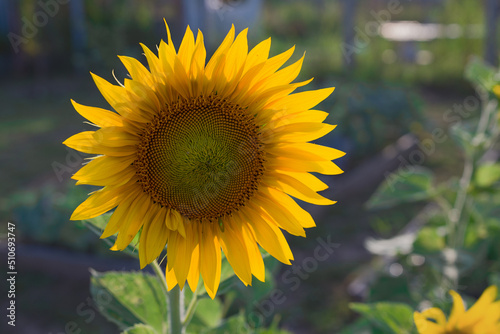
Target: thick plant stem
{"points": [[175, 302], [175, 311]]}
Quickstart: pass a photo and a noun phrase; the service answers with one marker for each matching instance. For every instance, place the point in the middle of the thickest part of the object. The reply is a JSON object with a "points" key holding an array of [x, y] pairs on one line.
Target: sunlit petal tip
{"points": [[169, 36]]}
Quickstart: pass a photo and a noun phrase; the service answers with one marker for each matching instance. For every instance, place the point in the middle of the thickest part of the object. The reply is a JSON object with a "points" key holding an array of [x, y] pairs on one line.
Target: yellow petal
{"points": [[236, 56], [496, 90], [120, 214], [254, 255], [259, 54], [308, 116], [103, 167], [210, 260], [143, 241], [277, 214], [118, 178], [98, 116], [83, 142], [480, 309], [268, 236], [133, 222], [194, 268], [221, 50], [312, 181], [136, 70], [180, 249], [302, 101], [170, 276], [285, 201], [234, 248], [198, 65], [296, 132], [306, 151], [285, 75], [323, 167], [117, 98], [156, 236], [435, 314], [102, 201], [297, 189], [186, 49], [153, 63], [166, 55], [115, 137], [146, 99], [457, 310], [425, 326], [272, 65]]}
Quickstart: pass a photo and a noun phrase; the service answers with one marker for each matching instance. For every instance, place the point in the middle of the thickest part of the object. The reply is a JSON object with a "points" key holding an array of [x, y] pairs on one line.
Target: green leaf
{"points": [[402, 187], [428, 240], [271, 331], [208, 314], [481, 74], [463, 134], [140, 329], [487, 174], [232, 325], [129, 298], [394, 318], [487, 208], [361, 326]]}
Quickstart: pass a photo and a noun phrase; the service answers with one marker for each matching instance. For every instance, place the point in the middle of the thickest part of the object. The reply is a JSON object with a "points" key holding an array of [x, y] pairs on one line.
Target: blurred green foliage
{"points": [[452, 244]]}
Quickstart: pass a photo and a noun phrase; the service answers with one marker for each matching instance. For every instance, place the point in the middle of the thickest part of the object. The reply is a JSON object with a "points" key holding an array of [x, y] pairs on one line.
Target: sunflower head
{"points": [[482, 318], [205, 157]]}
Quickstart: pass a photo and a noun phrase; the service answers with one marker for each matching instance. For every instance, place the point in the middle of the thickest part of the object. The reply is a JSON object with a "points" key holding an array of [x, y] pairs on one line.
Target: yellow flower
{"points": [[206, 156], [482, 318], [496, 90]]}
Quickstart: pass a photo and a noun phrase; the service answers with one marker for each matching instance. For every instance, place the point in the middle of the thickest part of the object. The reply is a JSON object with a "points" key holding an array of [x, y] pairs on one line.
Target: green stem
{"points": [[456, 213], [175, 311], [174, 302], [161, 276], [456, 227], [191, 308]]}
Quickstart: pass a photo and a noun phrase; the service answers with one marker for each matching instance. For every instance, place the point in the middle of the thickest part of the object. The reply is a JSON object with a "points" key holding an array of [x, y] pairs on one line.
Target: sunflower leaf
{"points": [[361, 326], [487, 174], [409, 185], [235, 324], [396, 318], [129, 298], [208, 314], [140, 329]]}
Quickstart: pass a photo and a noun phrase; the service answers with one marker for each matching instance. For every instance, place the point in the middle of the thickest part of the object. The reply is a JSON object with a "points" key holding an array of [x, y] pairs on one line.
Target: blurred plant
{"points": [[453, 243], [42, 217], [373, 116]]}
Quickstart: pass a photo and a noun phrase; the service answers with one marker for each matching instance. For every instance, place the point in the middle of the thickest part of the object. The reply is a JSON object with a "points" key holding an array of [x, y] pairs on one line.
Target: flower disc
{"points": [[201, 157]]}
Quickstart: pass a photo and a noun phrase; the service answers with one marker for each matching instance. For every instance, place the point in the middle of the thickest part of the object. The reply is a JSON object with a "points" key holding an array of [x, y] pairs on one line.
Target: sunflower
{"points": [[482, 318], [204, 157], [496, 90]]}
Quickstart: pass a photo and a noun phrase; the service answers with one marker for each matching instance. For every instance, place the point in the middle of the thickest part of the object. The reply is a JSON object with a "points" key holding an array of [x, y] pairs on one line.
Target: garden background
{"points": [[402, 72]]}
